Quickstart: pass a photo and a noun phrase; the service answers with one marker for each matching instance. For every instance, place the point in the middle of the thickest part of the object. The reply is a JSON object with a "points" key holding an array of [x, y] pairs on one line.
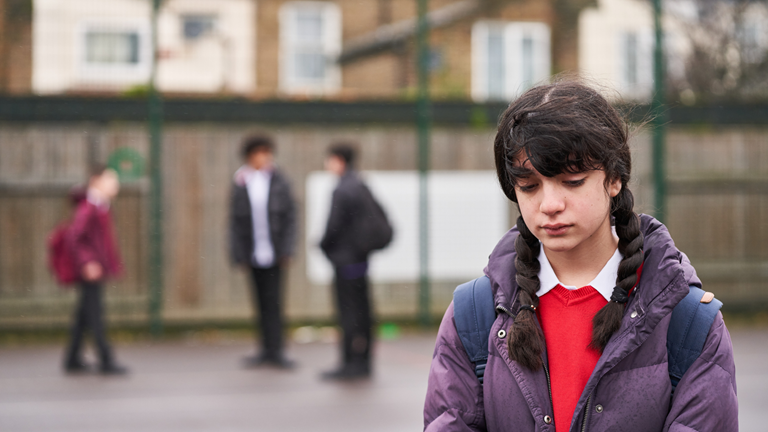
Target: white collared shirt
{"points": [[604, 282], [96, 199], [258, 194]]}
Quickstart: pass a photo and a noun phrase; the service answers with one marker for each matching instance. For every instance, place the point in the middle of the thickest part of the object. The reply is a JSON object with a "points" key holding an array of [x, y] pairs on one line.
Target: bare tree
{"points": [[722, 50]]}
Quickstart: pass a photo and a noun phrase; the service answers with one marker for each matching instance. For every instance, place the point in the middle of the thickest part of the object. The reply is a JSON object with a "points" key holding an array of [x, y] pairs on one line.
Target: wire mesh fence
{"points": [[310, 73]]}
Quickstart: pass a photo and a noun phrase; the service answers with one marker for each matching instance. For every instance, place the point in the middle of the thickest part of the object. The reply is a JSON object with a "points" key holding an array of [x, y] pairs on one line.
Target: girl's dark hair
{"points": [[566, 127]]}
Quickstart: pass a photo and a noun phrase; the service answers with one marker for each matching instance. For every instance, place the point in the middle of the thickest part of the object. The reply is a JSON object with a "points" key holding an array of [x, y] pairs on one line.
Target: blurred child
{"points": [[357, 225], [262, 235], [95, 256]]}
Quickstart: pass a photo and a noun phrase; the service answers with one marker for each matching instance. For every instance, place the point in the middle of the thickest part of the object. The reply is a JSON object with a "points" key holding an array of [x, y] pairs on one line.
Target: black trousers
{"points": [[354, 314], [266, 299], [89, 315]]}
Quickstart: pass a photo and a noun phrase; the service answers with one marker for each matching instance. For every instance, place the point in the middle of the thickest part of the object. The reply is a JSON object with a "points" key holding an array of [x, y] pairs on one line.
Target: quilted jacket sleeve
{"points": [[454, 395], [705, 398]]}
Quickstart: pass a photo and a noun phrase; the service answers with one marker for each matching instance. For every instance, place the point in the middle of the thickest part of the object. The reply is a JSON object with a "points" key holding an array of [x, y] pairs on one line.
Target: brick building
{"points": [[266, 49], [15, 46]]}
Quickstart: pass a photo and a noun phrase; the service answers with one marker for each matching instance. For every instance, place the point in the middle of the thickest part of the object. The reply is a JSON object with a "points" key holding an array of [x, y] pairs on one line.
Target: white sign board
{"points": [[468, 214]]}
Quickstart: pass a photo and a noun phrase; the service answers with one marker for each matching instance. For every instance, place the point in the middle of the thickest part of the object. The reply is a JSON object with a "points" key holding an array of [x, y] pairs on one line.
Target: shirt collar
{"points": [[97, 200], [604, 282], [263, 175], [245, 173]]}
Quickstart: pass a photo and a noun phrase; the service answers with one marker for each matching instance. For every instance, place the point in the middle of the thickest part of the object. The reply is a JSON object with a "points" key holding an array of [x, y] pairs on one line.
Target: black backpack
{"points": [[373, 230]]}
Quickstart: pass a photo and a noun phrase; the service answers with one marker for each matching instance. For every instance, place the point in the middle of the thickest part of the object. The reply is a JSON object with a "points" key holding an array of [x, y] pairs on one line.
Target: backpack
{"points": [[474, 314], [373, 230], [60, 257]]}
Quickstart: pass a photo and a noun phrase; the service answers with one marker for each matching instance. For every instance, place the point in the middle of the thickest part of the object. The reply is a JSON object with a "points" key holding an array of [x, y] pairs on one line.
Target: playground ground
{"points": [[196, 384]]}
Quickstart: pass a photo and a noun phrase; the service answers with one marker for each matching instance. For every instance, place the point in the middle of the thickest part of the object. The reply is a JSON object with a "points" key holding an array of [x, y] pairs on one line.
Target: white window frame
{"points": [[515, 80], [289, 82], [114, 73], [642, 88]]}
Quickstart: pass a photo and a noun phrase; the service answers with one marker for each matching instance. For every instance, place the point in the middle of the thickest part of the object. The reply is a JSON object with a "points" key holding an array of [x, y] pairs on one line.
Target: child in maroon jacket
{"points": [[94, 253]]}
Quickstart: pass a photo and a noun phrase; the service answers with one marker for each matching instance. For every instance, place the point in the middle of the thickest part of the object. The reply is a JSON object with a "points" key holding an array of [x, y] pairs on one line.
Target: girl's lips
{"points": [[555, 230]]}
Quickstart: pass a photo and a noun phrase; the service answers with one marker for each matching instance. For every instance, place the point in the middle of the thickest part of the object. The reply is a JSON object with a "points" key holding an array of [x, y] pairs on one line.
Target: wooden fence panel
{"points": [[724, 231]]}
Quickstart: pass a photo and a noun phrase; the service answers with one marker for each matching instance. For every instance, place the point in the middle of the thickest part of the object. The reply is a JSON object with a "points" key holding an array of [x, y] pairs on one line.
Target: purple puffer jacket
{"points": [[629, 390]]}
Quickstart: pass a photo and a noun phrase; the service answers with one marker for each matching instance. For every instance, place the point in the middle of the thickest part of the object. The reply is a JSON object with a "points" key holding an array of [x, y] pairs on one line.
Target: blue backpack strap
{"points": [[688, 330], [474, 314]]}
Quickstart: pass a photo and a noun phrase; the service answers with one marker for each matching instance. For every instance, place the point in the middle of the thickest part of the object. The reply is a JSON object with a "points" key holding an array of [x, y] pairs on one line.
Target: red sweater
{"points": [[566, 318]]}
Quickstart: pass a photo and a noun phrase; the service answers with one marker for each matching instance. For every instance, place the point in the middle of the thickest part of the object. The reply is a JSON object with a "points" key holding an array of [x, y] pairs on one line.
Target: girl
{"points": [[583, 289]]}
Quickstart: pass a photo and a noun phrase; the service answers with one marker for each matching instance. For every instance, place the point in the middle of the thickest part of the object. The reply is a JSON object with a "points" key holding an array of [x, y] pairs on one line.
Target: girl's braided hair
{"points": [[566, 127]]}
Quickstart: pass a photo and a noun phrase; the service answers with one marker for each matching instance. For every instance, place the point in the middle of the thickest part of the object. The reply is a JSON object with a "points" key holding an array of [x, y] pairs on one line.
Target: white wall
{"points": [[601, 54], [600, 51], [223, 60], [468, 214]]}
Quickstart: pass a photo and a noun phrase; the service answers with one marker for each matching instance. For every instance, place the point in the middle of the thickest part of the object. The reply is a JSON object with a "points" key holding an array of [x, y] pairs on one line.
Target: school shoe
{"points": [[76, 367], [278, 362], [113, 369], [347, 373]]}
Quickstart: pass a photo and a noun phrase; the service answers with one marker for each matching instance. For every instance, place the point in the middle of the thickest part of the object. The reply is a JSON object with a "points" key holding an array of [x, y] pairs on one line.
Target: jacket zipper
{"points": [[549, 387], [546, 370], [586, 413], [505, 310]]}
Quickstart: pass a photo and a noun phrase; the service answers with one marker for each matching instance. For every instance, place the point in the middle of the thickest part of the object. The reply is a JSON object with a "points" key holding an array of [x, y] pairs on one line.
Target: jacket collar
{"points": [[349, 174], [663, 263], [666, 275], [243, 174]]}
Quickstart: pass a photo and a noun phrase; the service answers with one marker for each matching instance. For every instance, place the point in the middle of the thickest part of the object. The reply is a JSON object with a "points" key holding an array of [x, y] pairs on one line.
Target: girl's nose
{"points": [[552, 202]]}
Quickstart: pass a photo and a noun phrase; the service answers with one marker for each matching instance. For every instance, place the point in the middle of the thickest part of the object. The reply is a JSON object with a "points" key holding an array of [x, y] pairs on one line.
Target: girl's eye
{"points": [[526, 188], [574, 183]]}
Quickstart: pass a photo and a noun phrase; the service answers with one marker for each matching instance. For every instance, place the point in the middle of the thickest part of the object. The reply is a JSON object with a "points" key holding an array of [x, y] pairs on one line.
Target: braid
{"points": [[525, 341], [608, 319]]}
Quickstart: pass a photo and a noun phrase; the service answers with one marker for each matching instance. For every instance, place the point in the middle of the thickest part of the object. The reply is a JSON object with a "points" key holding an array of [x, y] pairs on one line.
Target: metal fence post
{"points": [[155, 108], [659, 117], [423, 126]]}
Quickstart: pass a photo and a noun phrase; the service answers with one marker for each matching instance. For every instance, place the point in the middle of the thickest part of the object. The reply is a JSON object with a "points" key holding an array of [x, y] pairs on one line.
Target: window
{"points": [[630, 59], [105, 47], [310, 40], [635, 64], [195, 27], [114, 53], [495, 64], [508, 58]]}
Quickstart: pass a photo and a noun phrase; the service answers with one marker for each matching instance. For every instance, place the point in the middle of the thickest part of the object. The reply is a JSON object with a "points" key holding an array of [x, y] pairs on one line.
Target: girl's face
{"points": [[108, 183], [568, 213]]}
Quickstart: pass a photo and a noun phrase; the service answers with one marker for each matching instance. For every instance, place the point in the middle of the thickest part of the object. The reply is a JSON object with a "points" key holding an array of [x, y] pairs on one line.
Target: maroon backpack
{"points": [[60, 257]]}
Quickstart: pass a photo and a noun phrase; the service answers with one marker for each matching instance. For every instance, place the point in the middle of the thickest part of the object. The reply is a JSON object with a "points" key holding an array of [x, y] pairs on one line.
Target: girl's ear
{"points": [[614, 187]]}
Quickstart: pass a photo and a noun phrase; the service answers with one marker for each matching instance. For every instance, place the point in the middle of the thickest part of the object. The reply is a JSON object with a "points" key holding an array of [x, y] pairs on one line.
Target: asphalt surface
{"points": [[198, 385]]}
